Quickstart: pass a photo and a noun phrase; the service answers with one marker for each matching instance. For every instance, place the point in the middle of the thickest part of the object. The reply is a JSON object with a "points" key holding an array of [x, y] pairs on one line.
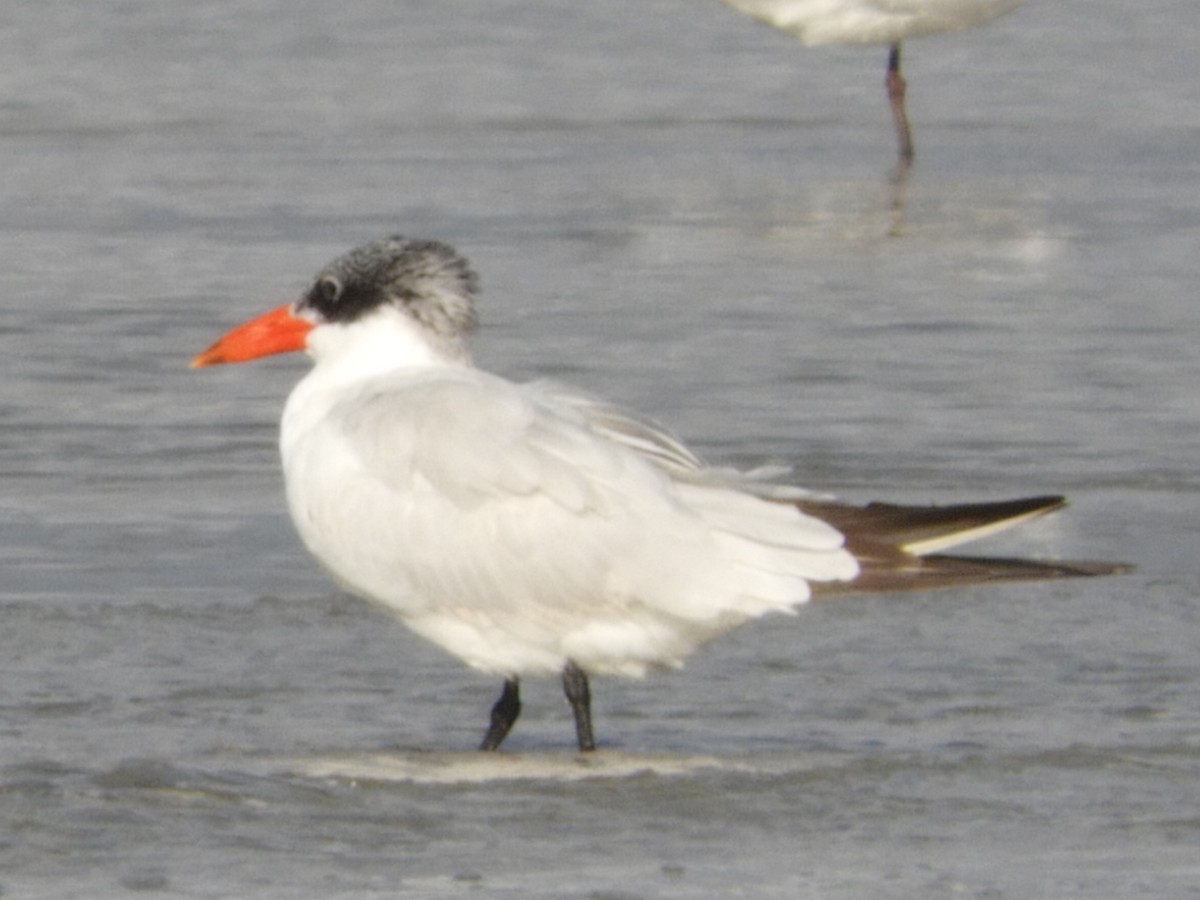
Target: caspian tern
{"points": [[888, 22], [531, 530]]}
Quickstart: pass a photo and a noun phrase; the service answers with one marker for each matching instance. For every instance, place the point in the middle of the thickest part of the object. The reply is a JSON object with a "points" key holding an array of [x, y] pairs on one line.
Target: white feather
{"points": [[871, 21], [519, 526]]}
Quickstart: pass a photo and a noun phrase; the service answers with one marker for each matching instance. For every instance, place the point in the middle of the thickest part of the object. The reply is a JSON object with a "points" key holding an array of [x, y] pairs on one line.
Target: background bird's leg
{"points": [[504, 714], [896, 88], [579, 695]]}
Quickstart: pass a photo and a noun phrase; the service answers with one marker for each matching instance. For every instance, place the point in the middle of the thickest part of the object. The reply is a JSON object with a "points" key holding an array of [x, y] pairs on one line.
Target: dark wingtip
{"points": [[937, 572]]}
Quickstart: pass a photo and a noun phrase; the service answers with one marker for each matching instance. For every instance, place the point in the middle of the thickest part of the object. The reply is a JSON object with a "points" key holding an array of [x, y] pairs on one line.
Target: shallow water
{"points": [[675, 207]]}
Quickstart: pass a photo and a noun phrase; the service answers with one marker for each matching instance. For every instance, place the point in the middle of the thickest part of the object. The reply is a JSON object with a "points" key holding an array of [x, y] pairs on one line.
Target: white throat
{"points": [[382, 341]]}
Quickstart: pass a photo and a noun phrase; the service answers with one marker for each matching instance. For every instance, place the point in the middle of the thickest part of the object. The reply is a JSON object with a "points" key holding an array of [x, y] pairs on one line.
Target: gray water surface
{"points": [[680, 209]]}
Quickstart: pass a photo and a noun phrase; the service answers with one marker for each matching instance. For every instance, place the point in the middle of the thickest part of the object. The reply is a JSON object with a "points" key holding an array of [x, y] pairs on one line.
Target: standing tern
{"points": [[530, 530], [876, 22]]}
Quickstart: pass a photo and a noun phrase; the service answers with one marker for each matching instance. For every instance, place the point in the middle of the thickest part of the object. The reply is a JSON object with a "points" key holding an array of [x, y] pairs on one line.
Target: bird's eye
{"points": [[329, 288]]}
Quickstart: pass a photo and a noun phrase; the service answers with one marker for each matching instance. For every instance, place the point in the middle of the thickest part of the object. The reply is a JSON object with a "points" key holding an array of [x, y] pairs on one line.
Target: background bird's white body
{"points": [[871, 21], [519, 526]]}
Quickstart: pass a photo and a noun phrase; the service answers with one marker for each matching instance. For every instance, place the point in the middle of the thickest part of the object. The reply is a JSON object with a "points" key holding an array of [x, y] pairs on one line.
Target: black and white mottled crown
{"points": [[429, 280]]}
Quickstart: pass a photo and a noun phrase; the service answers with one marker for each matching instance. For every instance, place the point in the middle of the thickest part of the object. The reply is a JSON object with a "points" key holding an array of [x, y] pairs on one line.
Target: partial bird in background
{"points": [[532, 530], [888, 22]]}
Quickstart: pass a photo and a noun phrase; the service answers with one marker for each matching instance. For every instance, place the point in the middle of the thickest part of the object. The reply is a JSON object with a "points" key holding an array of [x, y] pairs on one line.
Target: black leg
{"points": [[575, 685], [504, 714], [896, 89]]}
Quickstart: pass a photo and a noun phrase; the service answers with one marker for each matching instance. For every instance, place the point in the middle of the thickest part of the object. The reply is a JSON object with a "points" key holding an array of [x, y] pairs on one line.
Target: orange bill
{"points": [[278, 331]]}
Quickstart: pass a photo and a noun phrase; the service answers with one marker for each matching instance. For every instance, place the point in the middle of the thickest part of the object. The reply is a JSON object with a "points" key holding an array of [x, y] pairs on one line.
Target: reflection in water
{"points": [[899, 184]]}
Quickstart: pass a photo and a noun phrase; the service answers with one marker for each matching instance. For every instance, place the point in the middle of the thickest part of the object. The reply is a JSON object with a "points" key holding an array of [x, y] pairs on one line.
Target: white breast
{"points": [[502, 524]]}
